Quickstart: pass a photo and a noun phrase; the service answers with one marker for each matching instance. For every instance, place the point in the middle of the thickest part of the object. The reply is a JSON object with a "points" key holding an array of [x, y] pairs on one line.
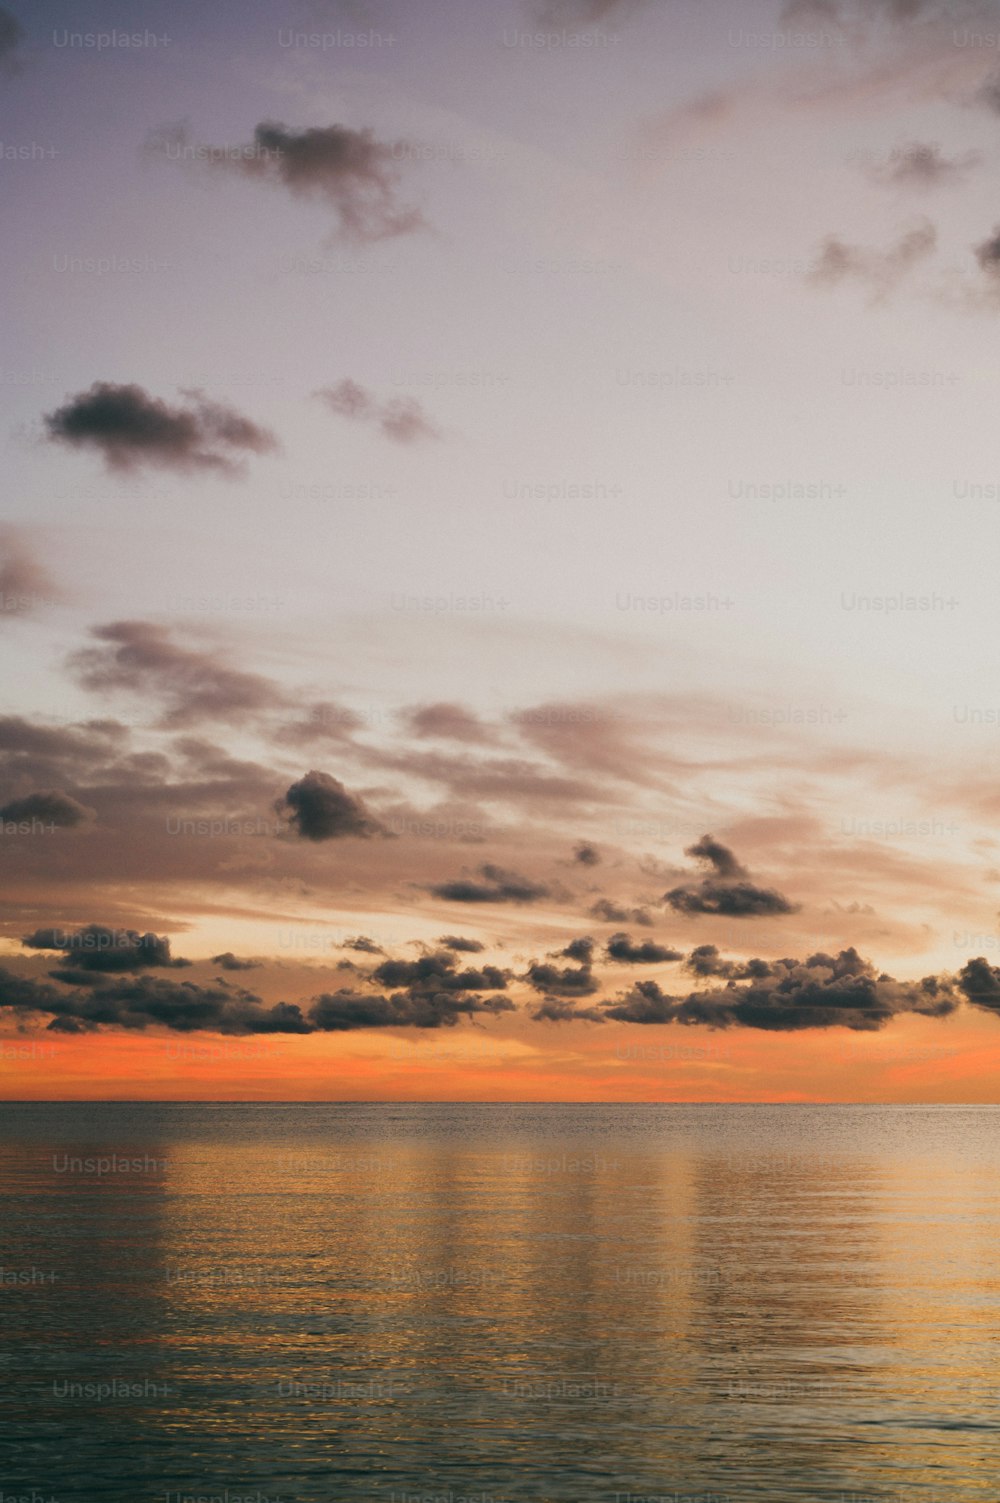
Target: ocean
{"points": [[443, 1302]]}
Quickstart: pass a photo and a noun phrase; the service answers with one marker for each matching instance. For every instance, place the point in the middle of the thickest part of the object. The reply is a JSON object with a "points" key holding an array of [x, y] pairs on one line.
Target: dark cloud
{"points": [[565, 982], [622, 948], [718, 856], [145, 1001], [401, 419], [49, 807], [445, 722], [733, 899], [706, 961], [988, 256], [345, 1011], [432, 993], [230, 962], [980, 983], [12, 34], [354, 172], [644, 1003], [556, 1010], [464, 946], [822, 992], [586, 855], [138, 657], [320, 808], [435, 973], [24, 994], [96, 948], [129, 429], [880, 271], [613, 913], [921, 164], [580, 949], [364, 945], [727, 889], [500, 886]]}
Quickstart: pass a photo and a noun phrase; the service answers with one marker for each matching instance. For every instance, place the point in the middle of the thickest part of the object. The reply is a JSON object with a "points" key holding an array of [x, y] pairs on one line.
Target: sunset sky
{"points": [[498, 566]]}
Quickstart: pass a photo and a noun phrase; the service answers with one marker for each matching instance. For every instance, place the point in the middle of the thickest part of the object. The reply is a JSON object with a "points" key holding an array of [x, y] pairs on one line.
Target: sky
{"points": [[497, 560]]}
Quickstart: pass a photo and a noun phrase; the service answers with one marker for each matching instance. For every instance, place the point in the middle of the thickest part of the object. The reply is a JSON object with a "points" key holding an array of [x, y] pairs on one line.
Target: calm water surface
{"points": [[448, 1302]]}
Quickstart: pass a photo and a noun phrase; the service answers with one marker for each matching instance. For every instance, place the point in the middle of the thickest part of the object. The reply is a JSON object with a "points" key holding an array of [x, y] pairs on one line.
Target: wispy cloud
{"points": [[922, 164], [880, 272], [401, 418]]}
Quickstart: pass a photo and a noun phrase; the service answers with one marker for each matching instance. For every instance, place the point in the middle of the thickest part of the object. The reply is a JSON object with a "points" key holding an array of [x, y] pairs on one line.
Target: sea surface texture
{"points": [[697, 1304]]}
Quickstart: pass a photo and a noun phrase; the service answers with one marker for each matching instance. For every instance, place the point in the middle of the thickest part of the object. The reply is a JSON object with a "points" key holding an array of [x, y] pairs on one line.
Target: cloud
{"points": [[921, 164], [621, 948], [445, 721], [464, 946], [48, 806], [821, 992], [613, 913], [435, 972], [28, 748], [363, 945], [988, 94], [345, 1011], [988, 257], [509, 779], [24, 583], [734, 899], [402, 418], [980, 983], [24, 994], [586, 855], [320, 808], [567, 982], [12, 34], [982, 293], [616, 740], [889, 14], [129, 429], [500, 886], [566, 13], [579, 949], [719, 856], [727, 889], [868, 59], [324, 721], [988, 254], [139, 657], [145, 1001], [230, 962], [880, 271], [705, 961], [351, 170], [432, 993], [556, 1010], [97, 948]]}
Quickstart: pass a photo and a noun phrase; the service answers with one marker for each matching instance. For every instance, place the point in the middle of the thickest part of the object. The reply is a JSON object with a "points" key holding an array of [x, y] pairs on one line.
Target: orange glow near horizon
{"points": [[915, 1060]]}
